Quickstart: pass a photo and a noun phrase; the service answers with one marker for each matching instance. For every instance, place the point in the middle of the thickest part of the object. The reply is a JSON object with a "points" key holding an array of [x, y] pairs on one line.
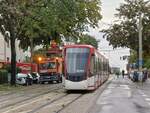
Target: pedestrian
{"points": [[145, 74], [123, 73]]}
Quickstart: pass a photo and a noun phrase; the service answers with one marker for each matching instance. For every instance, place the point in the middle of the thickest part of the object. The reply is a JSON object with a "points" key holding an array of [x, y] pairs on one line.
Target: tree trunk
{"points": [[13, 60]]}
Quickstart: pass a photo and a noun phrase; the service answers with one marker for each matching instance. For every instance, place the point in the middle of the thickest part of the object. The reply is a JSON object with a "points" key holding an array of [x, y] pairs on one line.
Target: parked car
{"points": [[134, 76], [36, 77], [24, 79]]}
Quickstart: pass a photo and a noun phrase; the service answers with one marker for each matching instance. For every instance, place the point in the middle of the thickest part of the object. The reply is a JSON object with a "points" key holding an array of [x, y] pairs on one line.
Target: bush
{"points": [[3, 76], [8, 68]]}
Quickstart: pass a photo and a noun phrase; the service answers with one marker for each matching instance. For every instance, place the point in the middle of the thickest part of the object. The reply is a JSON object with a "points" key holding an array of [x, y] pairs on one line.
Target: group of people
{"points": [[122, 73], [135, 75]]}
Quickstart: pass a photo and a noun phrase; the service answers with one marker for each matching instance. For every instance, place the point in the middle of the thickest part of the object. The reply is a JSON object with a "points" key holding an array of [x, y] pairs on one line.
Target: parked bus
{"points": [[85, 67]]}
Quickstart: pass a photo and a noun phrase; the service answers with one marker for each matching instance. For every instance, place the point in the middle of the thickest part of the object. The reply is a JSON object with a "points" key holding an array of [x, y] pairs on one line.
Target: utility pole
{"points": [[140, 45]]}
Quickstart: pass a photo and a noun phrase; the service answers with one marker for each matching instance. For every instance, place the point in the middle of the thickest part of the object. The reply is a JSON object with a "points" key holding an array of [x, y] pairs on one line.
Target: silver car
{"points": [[24, 79]]}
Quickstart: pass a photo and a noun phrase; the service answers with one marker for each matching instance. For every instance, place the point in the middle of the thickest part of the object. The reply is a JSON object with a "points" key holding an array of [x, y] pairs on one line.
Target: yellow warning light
{"points": [[56, 58], [39, 59]]}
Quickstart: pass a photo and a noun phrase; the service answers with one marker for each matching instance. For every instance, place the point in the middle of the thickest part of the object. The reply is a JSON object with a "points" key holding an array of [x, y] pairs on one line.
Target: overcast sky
{"points": [[108, 11]]}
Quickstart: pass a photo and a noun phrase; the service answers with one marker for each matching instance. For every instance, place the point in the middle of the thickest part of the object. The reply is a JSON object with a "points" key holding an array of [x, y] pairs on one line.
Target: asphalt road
{"points": [[123, 96]]}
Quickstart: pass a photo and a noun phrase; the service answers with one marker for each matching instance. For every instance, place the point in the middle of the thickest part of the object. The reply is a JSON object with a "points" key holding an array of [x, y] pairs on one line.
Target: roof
{"points": [[78, 45], [87, 46]]}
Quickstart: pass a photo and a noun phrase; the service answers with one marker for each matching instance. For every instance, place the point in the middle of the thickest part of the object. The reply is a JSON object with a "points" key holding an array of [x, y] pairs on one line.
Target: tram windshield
{"points": [[76, 59], [48, 65]]}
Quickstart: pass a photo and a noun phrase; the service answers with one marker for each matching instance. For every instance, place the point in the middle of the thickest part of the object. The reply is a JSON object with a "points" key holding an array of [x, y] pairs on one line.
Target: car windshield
{"points": [[48, 65], [76, 59], [34, 75], [21, 75]]}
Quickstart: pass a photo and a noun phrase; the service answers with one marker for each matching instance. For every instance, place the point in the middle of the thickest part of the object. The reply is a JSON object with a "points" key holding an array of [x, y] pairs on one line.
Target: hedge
{"points": [[3, 76]]}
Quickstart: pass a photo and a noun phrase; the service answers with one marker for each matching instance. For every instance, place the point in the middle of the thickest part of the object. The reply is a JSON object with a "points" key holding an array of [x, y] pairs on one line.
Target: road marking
{"points": [[129, 94], [144, 95], [111, 87], [147, 99], [107, 92], [125, 87]]}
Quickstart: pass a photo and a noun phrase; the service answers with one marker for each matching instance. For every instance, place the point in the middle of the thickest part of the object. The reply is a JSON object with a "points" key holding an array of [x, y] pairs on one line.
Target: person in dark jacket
{"points": [[123, 73]]}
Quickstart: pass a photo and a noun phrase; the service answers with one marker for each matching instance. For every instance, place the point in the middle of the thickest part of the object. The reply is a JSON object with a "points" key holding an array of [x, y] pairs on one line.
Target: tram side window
{"points": [[98, 65], [104, 66], [94, 65], [92, 70]]}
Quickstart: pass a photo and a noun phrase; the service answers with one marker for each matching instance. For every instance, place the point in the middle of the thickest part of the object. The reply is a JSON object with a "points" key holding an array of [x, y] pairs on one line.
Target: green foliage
{"points": [[133, 56], [3, 76], [51, 19], [8, 68], [87, 39], [147, 62], [124, 33]]}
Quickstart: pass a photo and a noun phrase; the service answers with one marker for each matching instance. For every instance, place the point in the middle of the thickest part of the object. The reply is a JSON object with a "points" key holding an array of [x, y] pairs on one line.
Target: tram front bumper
{"points": [[82, 85]]}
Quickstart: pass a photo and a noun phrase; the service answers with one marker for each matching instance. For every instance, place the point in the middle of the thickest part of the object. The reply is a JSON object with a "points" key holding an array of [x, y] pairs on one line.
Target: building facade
{"points": [[5, 51]]}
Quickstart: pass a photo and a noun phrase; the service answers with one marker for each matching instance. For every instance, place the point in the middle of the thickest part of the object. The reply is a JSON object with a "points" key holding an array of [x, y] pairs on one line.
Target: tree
{"points": [[87, 39], [124, 33], [11, 19], [49, 20]]}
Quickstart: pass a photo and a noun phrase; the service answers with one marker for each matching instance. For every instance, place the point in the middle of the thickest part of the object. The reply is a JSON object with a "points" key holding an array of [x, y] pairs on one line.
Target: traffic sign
{"points": [[140, 62]]}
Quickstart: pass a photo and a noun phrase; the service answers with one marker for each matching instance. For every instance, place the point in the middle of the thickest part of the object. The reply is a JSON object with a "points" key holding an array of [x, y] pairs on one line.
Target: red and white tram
{"points": [[85, 67]]}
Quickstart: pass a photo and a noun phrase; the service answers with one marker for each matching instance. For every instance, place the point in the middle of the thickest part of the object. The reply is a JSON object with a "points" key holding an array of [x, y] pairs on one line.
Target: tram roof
{"points": [[87, 46], [79, 45]]}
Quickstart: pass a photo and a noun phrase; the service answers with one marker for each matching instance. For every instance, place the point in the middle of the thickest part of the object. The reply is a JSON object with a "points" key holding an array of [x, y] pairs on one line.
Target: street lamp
{"points": [[39, 60]]}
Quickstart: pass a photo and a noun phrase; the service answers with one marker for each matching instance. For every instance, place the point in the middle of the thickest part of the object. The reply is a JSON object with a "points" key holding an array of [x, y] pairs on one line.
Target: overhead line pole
{"points": [[140, 45]]}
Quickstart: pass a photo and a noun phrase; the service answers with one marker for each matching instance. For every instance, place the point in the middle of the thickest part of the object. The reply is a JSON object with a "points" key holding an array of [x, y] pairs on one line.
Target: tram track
{"points": [[22, 101], [24, 89], [54, 103], [51, 102], [23, 93], [58, 111], [20, 107], [58, 102]]}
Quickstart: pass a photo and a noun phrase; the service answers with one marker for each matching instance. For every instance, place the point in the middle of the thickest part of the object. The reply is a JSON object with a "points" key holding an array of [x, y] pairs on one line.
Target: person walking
{"points": [[122, 73]]}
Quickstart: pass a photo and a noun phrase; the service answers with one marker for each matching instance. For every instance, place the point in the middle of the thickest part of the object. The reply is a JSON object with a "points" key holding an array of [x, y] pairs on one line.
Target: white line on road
{"points": [[129, 94], [125, 87], [144, 95], [147, 99]]}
